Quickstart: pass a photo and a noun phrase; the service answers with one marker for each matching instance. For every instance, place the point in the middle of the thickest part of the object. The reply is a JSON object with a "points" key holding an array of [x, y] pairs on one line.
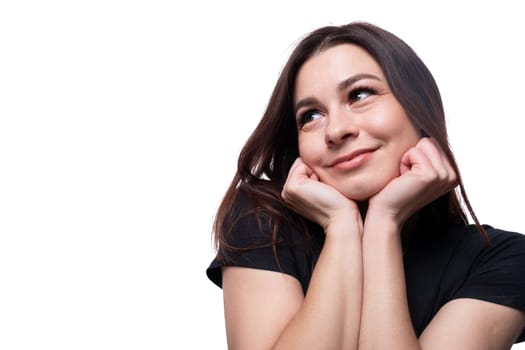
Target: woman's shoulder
{"points": [[462, 263], [491, 238], [495, 269], [502, 250], [503, 235], [476, 237], [252, 222], [463, 253], [260, 238]]}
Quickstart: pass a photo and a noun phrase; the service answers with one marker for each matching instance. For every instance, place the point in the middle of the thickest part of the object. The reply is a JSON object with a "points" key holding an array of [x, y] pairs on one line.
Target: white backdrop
{"points": [[120, 124]]}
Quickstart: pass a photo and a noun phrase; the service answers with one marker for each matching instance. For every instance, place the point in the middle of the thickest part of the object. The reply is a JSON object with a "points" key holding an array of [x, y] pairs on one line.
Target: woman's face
{"points": [[352, 130]]}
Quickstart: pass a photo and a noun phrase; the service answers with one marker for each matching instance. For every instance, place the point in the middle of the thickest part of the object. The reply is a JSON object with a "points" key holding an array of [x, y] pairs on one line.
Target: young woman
{"points": [[342, 228]]}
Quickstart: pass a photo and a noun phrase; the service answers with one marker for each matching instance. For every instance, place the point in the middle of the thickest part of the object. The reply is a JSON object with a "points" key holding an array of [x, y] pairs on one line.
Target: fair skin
{"points": [[356, 144]]}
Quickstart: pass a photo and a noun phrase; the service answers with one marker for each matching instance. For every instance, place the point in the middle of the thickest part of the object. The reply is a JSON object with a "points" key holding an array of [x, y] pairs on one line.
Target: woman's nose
{"points": [[339, 128]]}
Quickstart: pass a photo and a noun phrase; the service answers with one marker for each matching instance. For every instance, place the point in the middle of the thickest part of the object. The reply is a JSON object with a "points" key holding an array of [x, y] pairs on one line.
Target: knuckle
{"points": [[431, 175], [454, 179]]}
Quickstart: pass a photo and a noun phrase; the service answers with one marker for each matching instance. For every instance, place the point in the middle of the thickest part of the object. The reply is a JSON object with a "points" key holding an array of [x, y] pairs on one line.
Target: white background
{"points": [[120, 124]]}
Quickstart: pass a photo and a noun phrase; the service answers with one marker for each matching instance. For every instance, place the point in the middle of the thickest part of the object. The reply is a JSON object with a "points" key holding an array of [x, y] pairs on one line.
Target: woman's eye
{"points": [[308, 116], [360, 94]]}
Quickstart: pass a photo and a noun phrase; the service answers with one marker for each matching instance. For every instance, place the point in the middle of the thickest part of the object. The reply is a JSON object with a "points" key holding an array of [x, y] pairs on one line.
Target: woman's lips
{"points": [[353, 160]]}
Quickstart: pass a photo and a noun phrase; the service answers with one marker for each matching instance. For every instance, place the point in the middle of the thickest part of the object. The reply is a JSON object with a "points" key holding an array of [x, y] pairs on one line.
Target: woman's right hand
{"points": [[304, 193]]}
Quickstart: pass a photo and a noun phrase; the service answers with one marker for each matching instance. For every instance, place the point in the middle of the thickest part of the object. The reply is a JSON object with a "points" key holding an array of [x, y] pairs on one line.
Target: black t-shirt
{"points": [[456, 264]]}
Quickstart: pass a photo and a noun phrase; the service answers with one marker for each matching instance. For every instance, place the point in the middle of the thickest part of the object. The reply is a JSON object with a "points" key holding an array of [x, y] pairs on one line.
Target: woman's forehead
{"points": [[335, 65]]}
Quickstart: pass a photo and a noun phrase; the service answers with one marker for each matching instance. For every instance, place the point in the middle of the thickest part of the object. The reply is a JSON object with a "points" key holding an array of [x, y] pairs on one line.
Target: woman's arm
{"points": [[425, 176], [266, 310], [386, 324], [330, 314], [473, 324], [461, 324]]}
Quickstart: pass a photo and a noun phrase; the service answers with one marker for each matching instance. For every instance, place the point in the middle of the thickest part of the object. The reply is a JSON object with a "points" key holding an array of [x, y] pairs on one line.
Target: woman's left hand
{"points": [[426, 174]]}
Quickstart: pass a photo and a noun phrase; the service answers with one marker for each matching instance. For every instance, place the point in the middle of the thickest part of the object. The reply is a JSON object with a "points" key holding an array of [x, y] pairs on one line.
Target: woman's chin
{"points": [[359, 189], [363, 195]]}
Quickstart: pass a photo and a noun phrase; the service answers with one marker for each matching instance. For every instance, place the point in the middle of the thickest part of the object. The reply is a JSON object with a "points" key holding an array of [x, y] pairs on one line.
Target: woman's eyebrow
{"points": [[349, 81], [304, 102]]}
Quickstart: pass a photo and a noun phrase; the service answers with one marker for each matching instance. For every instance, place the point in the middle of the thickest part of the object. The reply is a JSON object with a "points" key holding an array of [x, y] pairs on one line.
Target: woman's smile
{"points": [[353, 160]]}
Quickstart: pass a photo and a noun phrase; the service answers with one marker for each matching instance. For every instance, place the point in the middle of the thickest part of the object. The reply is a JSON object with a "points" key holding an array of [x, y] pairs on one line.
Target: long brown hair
{"points": [[271, 149]]}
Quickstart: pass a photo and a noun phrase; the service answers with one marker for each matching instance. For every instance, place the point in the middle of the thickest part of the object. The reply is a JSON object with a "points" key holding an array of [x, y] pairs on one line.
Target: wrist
{"points": [[382, 223], [344, 224], [378, 214]]}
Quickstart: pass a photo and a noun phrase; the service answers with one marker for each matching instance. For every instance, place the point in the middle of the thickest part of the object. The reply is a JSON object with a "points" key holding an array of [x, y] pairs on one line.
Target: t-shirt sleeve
{"points": [[497, 274], [251, 244]]}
